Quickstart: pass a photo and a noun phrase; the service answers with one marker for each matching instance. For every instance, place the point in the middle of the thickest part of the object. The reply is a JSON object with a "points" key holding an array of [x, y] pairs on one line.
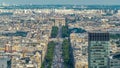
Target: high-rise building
{"points": [[98, 50], [115, 61]]}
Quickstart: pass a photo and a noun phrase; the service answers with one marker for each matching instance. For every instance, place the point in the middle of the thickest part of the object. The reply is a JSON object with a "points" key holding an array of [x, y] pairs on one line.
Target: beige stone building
{"points": [[59, 22], [79, 44]]}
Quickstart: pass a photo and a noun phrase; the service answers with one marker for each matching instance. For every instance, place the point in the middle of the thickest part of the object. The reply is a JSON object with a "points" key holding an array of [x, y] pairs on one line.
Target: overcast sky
{"points": [[55, 2]]}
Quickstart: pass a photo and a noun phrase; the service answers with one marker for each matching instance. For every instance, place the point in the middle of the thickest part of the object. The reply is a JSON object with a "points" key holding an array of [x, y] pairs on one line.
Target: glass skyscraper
{"points": [[98, 50]]}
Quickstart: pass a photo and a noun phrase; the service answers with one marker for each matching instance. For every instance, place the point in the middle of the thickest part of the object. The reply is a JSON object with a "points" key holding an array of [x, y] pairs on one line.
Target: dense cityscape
{"points": [[59, 36]]}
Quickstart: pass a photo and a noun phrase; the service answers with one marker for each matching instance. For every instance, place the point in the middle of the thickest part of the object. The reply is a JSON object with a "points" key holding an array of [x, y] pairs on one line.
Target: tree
{"points": [[49, 55], [67, 54], [65, 31], [54, 31]]}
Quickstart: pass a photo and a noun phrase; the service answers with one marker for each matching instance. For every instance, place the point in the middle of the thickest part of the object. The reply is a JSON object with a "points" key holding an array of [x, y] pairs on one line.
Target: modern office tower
{"points": [[98, 50], [115, 61]]}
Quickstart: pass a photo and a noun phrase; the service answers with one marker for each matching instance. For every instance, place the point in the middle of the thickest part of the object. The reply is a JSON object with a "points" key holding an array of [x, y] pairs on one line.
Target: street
{"points": [[58, 59]]}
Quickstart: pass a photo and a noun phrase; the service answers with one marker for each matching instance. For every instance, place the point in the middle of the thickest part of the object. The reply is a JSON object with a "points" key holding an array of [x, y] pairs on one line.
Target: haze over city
{"points": [[62, 2], [59, 33]]}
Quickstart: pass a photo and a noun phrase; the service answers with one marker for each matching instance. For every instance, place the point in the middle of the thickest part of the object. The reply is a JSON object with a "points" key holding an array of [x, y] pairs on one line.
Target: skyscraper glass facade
{"points": [[98, 50]]}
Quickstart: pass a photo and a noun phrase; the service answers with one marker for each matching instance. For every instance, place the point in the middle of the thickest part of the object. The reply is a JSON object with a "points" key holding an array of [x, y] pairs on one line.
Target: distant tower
{"points": [[98, 50], [6, 47], [11, 41]]}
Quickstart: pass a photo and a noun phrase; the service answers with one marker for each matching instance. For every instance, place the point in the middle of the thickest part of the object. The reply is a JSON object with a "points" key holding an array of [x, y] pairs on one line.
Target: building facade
{"points": [[115, 61], [98, 50], [59, 22]]}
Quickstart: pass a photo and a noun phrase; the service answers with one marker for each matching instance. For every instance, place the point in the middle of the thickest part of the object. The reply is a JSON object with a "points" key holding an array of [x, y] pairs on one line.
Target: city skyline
{"points": [[62, 2], [59, 34]]}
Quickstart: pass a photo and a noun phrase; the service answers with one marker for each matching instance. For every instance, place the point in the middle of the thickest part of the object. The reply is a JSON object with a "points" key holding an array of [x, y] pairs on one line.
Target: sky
{"points": [[63, 2]]}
